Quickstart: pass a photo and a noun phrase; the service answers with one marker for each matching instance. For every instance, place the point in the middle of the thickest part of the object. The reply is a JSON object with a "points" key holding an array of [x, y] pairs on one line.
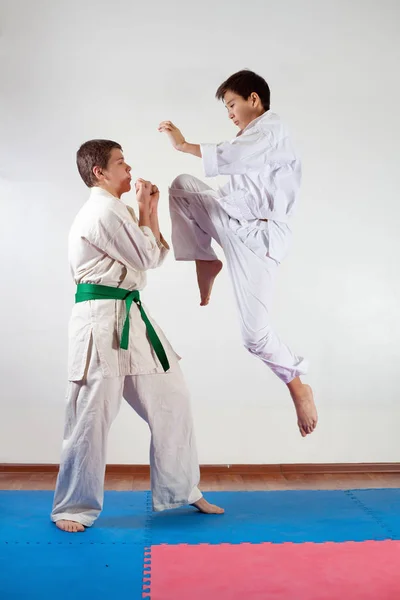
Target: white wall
{"points": [[73, 70]]}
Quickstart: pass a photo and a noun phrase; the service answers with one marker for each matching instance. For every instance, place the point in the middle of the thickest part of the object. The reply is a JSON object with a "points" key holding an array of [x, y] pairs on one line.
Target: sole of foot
{"points": [[207, 270]]}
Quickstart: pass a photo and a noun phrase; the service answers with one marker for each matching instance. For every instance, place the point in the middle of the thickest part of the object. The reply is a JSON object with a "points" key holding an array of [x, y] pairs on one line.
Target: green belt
{"points": [[91, 291]]}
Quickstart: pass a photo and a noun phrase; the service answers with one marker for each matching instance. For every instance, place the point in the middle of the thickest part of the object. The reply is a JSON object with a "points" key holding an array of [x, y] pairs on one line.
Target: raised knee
{"points": [[182, 182]]}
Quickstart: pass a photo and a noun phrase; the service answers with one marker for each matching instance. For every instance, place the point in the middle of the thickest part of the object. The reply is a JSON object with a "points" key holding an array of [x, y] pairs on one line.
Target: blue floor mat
{"points": [[25, 517], [255, 517], [383, 506], [70, 572], [106, 561], [38, 561], [296, 516]]}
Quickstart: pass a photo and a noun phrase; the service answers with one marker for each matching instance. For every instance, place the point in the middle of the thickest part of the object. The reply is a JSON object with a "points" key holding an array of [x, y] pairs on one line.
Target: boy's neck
{"points": [[258, 116], [250, 122], [110, 190]]}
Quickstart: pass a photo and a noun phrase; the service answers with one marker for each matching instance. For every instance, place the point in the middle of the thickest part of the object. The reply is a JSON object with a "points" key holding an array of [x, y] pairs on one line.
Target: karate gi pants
{"points": [[162, 400], [197, 219]]}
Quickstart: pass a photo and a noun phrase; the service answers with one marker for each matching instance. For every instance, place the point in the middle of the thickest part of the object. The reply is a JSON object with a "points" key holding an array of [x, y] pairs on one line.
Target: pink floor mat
{"points": [[331, 571]]}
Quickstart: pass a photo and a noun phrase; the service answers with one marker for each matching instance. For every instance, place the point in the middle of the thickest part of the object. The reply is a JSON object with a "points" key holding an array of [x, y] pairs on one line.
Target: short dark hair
{"points": [[245, 83], [94, 153]]}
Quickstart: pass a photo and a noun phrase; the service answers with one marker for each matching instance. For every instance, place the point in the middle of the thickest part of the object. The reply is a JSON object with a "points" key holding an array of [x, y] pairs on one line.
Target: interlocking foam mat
{"points": [[284, 545]]}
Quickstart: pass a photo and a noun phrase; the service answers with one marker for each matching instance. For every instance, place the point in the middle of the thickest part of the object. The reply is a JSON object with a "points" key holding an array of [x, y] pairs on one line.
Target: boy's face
{"points": [[241, 111], [117, 176]]}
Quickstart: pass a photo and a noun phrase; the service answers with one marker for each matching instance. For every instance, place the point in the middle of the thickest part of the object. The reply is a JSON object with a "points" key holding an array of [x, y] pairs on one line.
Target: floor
{"points": [[221, 482], [285, 545], [327, 539]]}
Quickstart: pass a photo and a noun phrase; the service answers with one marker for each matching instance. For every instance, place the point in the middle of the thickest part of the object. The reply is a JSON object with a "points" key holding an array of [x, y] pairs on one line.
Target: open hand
{"points": [[174, 134]]}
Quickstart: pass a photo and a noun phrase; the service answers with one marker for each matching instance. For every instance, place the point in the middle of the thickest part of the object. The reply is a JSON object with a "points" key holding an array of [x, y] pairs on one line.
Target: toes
{"points": [[217, 509], [70, 526], [312, 426], [63, 525], [302, 429], [208, 509], [306, 429]]}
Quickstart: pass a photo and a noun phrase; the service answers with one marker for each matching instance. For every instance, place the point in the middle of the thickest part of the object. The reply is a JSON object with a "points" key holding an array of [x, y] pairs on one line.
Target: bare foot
{"points": [[306, 410], [208, 509], [207, 270], [70, 526]]}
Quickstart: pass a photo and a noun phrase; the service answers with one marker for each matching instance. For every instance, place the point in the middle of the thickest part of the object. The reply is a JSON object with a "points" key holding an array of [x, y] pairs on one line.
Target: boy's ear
{"points": [[97, 172]]}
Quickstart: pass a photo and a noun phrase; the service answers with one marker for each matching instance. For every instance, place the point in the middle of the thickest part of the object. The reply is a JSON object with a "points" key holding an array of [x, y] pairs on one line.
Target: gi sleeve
{"points": [[136, 247], [247, 152]]}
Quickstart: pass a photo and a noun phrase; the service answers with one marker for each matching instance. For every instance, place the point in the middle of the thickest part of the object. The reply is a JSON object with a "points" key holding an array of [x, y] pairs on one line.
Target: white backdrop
{"points": [[74, 70]]}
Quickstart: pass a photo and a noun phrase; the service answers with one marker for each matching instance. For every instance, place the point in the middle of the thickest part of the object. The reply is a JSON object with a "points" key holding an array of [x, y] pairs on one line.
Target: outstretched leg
{"points": [[253, 280], [197, 219], [162, 400]]}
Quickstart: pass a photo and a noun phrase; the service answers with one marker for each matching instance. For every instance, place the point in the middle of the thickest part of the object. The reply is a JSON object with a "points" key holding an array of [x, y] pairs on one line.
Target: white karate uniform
{"points": [[107, 247], [264, 179]]}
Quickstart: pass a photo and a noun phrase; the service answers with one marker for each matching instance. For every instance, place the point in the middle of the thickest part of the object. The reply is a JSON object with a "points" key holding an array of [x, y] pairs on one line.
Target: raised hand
{"points": [[143, 190], [174, 134], [154, 198], [155, 193]]}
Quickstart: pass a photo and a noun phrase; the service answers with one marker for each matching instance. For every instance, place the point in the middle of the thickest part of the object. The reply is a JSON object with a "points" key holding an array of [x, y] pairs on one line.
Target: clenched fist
{"points": [[143, 190]]}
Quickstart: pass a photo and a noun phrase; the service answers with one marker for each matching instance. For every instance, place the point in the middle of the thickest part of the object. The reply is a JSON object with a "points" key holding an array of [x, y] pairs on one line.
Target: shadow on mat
{"points": [[124, 522]]}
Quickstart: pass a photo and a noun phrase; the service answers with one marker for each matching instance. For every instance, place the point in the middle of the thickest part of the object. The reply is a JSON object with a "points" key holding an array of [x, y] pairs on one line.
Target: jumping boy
{"points": [[250, 217]]}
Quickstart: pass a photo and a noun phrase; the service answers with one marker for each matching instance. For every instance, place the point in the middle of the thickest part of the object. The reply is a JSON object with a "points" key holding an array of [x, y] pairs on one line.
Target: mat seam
{"points": [[146, 577], [371, 513], [33, 542]]}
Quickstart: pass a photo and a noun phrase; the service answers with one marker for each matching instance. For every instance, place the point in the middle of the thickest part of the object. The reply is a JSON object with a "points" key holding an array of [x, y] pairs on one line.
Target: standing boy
{"points": [[116, 349]]}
